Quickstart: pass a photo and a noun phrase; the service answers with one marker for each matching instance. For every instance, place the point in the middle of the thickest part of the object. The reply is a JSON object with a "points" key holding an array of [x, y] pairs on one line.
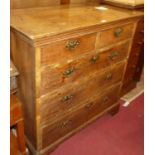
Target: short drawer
{"points": [[55, 131], [61, 101], [53, 78], [114, 35], [67, 49]]}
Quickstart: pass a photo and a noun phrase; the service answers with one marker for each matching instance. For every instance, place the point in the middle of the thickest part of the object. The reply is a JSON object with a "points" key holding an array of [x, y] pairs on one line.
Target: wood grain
{"points": [[80, 116], [16, 120], [13, 144], [38, 48], [54, 105], [53, 77], [65, 1], [23, 57], [135, 61], [36, 23], [111, 37], [134, 4], [18, 4], [58, 52]]}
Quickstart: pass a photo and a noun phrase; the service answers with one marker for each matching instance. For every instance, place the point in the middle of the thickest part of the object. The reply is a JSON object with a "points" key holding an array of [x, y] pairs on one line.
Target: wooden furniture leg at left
{"points": [[16, 120]]}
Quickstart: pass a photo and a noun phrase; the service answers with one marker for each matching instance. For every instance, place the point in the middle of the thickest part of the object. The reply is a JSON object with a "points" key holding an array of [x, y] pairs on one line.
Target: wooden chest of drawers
{"points": [[71, 67]]}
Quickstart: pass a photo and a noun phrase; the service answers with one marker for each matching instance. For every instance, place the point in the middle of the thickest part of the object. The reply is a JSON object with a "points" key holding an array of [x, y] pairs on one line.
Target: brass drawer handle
{"points": [[88, 106], [72, 44], [113, 55], [105, 99], [65, 124], [118, 31], [68, 72], [94, 58], [108, 77], [67, 98]]}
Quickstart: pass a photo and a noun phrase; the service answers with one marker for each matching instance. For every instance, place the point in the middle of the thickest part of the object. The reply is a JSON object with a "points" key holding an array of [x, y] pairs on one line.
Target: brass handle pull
{"points": [[94, 58], [68, 72], [113, 55], [105, 99], [118, 31], [72, 44], [88, 106], [67, 98], [65, 124], [108, 77]]}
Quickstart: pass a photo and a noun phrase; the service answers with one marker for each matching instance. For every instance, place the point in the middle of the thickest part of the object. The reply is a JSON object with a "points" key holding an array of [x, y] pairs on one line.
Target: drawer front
{"points": [[53, 78], [110, 36], [61, 101], [59, 129], [67, 49]]}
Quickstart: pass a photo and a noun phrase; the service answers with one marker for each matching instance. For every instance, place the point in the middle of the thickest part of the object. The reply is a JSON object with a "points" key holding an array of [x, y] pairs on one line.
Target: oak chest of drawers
{"points": [[71, 61]]}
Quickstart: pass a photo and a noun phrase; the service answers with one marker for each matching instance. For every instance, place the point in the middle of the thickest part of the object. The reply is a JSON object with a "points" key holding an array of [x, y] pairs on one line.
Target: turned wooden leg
{"points": [[114, 110], [20, 134]]}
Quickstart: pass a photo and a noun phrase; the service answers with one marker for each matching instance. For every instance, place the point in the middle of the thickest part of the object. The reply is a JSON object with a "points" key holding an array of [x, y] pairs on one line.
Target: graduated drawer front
{"points": [[57, 130], [114, 35], [61, 101], [67, 49], [53, 78]]}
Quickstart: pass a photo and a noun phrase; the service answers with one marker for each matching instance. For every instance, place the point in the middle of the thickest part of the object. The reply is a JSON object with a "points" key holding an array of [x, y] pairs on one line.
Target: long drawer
{"points": [[67, 49], [57, 130], [114, 35], [60, 75], [63, 100]]}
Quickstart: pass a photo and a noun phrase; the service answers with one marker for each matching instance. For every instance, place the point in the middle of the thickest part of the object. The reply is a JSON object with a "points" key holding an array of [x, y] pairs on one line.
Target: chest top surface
{"points": [[40, 22]]}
